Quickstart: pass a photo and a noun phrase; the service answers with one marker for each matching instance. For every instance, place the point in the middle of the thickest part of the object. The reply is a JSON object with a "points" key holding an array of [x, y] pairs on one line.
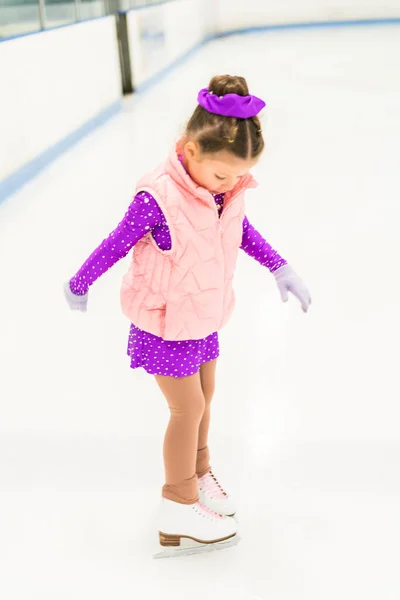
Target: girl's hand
{"points": [[289, 281], [75, 302]]}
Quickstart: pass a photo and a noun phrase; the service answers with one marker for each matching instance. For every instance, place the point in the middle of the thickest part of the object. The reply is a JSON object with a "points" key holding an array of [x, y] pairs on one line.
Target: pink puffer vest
{"points": [[185, 293]]}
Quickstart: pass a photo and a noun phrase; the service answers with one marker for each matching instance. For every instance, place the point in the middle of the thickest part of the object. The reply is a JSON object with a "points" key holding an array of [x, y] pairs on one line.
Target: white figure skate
{"points": [[192, 528], [213, 496]]}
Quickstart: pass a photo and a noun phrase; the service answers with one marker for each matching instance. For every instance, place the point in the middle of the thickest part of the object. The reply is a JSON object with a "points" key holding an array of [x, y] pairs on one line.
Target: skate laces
{"points": [[207, 512], [209, 485]]}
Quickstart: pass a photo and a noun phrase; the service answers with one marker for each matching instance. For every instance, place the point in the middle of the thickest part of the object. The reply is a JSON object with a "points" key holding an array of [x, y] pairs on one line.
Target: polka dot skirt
{"points": [[175, 359]]}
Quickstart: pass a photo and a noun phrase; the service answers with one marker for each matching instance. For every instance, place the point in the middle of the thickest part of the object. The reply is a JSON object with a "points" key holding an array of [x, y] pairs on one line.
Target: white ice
{"points": [[306, 416]]}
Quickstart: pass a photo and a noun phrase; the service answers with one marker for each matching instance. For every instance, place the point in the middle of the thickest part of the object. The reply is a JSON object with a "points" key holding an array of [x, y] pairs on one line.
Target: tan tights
{"points": [[186, 455]]}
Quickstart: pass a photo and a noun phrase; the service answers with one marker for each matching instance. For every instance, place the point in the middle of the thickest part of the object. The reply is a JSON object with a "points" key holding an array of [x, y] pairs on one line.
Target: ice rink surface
{"points": [[305, 430]]}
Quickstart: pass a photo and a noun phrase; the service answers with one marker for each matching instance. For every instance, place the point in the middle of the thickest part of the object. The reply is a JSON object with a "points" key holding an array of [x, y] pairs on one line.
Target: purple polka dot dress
{"points": [[155, 355]]}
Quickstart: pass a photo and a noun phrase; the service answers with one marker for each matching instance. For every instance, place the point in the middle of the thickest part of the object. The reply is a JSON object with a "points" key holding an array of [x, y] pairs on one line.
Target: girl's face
{"points": [[217, 173]]}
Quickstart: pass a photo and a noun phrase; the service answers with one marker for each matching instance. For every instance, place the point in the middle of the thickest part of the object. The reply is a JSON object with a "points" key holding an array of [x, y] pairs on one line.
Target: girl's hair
{"points": [[214, 133]]}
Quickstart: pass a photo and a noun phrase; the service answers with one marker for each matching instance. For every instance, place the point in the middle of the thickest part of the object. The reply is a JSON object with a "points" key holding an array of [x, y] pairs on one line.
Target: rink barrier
{"points": [[27, 172], [258, 29], [159, 36], [56, 87], [48, 29], [306, 25], [157, 77]]}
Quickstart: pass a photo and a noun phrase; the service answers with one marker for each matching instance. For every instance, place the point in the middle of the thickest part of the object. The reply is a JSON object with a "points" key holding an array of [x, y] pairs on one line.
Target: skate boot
{"points": [[213, 496], [193, 528]]}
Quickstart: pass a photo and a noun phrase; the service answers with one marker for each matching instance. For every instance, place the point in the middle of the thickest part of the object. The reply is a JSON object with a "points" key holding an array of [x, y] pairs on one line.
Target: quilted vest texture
{"points": [[185, 293]]}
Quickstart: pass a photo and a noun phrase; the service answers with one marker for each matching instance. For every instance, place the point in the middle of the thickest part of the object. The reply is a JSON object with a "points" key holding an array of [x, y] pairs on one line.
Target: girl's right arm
{"points": [[141, 217]]}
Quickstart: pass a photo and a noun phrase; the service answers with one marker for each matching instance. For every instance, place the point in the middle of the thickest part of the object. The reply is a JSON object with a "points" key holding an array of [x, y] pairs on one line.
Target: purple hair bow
{"points": [[230, 105]]}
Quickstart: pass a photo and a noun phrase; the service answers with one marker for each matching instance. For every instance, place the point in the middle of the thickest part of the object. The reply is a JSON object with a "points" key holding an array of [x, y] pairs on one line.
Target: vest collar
{"points": [[178, 173]]}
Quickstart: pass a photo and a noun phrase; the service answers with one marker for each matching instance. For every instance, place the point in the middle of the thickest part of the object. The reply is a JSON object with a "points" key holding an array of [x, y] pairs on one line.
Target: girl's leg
{"points": [[186, 402], [207, 378]]}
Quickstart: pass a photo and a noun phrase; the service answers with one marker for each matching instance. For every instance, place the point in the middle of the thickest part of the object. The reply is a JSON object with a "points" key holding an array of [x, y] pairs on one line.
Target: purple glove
{"points": [[289, 281], [75, 302]]}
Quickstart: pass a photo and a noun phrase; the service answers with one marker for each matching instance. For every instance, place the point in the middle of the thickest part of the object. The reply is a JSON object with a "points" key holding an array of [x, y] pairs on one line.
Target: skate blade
{"points": [[189, 547]]}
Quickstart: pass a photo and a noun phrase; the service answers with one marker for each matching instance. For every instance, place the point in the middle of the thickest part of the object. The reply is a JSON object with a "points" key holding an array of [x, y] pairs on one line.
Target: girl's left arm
{"points": [[287, 280], [258, 248]]}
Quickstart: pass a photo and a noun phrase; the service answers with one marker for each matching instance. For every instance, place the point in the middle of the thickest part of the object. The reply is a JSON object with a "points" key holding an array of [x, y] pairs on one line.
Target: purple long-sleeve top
{"points": [[144, 216], [155, 355]]}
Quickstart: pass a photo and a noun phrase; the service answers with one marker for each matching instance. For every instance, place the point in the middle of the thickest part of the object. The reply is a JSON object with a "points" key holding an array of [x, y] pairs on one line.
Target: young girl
{"points": [[187, 222]]}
